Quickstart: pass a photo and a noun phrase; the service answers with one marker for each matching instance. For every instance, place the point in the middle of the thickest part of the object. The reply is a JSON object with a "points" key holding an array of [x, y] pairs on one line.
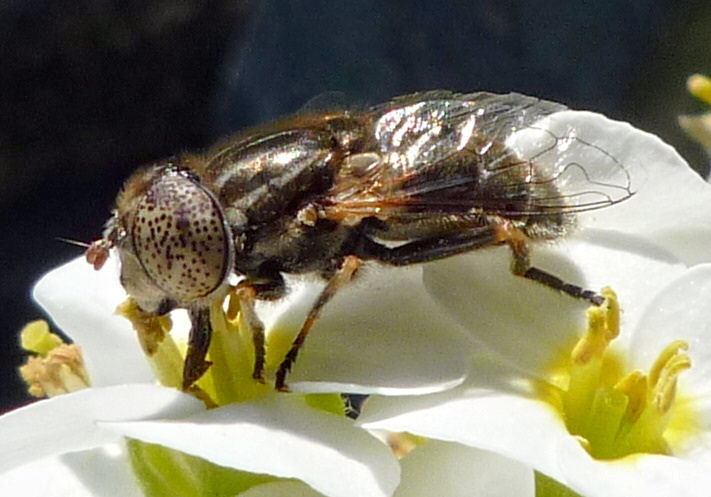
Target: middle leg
{"points": [[343, 275]]}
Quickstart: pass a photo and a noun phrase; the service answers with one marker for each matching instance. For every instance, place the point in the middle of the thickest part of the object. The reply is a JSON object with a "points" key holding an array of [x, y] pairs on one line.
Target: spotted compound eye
{"points": [[180, 238]]}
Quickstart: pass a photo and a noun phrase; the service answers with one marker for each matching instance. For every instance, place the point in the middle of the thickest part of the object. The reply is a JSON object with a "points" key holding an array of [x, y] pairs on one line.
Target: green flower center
{"points": [[614, 413], [231, 354], [166, 472]]}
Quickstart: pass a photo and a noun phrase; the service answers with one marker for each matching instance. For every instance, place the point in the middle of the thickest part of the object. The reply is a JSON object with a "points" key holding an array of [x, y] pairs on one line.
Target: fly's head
{"points": [[172, 239]]}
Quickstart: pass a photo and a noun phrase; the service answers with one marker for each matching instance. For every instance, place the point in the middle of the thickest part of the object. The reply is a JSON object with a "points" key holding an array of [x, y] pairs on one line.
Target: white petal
{"points": [[529, 432], [68, 422], [82, 302], [281, 436], [648, 475], [509, 424], [697, 447], [528, 323], [104, 472], [381, 334], [671, 205], [281, 489], [681, 311], [454, 470]]}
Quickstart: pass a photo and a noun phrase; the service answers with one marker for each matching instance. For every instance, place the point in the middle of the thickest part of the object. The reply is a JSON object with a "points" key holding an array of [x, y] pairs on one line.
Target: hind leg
{"points": [[343, 275], [498, 233], [521, 265]]}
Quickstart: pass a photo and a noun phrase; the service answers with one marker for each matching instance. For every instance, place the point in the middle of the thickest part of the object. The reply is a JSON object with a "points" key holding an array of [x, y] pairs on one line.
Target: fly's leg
{"points": [[430, 249], [343, 275], [198, 343], [247, 293], [521, 265], [535, 274], [268, 284]]}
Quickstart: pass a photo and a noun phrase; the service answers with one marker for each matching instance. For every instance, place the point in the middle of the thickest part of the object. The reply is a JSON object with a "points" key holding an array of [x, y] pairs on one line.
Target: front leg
{"points": [[198, 343], [269, 286], [265, 288], [247, 294]]}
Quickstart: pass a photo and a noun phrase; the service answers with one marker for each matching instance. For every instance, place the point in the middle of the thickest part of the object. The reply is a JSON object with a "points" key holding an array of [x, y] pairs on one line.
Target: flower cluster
{"points": [[478, 382]]}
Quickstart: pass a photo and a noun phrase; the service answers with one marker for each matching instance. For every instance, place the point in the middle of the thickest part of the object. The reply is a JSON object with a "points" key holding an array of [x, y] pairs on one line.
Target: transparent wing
{"points": [[569, 173], [440, 152]]}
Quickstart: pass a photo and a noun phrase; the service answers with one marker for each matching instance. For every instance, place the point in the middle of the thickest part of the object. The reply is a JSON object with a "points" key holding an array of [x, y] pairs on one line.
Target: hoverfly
{"points": [[422, 177]]}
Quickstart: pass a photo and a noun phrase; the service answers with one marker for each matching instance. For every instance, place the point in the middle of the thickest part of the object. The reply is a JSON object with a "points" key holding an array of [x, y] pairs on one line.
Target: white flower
{"points": [[454, 470], [408, 331], [82, 432], [517, 400], [528, 417], [437, 468], [347, 350], [524, 420]]}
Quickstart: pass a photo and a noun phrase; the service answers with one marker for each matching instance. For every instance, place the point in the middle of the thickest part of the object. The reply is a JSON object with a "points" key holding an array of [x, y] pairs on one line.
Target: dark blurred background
{"points": [[91, 89]]}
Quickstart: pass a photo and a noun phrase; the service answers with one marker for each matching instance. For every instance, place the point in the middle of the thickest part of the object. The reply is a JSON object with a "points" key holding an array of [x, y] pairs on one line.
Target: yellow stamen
{"points": [[153, 334], [231, 352], [699, 86], [669, 352], [36, 337], [403, 443], [634, 386], [665, 372], [603, 327], [57, 369], [232, 355], [615, 414]]}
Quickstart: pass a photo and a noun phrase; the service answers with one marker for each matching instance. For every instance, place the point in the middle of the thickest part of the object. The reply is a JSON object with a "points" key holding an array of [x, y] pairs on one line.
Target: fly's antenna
{"points": [[73, 242], [96, 252]]}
